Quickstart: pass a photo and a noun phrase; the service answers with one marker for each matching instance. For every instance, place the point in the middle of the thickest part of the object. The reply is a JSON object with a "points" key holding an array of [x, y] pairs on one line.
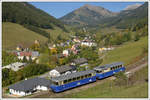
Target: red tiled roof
{"points": [[25, 53]]}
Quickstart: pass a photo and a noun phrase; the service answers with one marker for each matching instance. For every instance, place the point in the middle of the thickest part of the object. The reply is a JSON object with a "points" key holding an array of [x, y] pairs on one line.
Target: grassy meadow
{"points": [[54, 33], [126, 52], [15, 34]]}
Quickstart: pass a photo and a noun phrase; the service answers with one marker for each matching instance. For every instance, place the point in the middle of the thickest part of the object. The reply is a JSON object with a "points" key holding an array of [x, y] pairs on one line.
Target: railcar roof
{"points": [[108, 66], [72, 75]]}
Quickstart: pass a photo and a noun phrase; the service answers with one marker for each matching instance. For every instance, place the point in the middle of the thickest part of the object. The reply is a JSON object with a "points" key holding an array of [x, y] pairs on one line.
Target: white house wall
{"points": [[44, 88], [20, 93]]}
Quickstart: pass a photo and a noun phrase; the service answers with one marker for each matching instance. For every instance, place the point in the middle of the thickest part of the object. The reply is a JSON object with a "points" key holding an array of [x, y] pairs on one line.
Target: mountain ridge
{"points": [[85, 14], [105, 19]]}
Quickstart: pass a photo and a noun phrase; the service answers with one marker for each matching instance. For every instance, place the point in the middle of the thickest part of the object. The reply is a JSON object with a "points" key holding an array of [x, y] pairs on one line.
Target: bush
{"points": [[121, 79]]}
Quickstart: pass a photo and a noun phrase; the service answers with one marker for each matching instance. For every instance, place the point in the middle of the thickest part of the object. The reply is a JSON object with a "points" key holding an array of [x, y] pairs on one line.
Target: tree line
{"points": [[9, 76]]}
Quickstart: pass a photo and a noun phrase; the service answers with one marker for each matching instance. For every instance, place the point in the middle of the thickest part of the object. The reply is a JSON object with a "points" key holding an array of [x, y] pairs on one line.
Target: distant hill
{"points": [[128, 18], [15, 34], [30, 17], [134, 6], [94, 16], [87, 15]]}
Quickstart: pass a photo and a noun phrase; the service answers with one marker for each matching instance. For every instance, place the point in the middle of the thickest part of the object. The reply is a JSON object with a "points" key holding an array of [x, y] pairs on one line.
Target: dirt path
{"points": [[138, 68]]}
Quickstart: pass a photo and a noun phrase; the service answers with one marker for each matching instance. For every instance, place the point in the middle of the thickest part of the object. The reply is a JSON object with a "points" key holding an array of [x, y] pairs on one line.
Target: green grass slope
{"points": [[127, 52], [57, 31], [15, 34], [104, 91]]}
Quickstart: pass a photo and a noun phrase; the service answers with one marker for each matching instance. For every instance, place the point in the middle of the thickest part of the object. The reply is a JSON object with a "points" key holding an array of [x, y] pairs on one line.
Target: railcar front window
{"points": [[55, 83]]}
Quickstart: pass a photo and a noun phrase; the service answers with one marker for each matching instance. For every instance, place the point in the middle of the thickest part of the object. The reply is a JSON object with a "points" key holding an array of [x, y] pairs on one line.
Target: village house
{"points": [[76, 40], [87, 42], [19, 48], [80, 62], [33, 54], [62, 70], [15, 66], [105, 49], [51, 46], [68, 42], [29, 86], [66, 52], [75, 48]]}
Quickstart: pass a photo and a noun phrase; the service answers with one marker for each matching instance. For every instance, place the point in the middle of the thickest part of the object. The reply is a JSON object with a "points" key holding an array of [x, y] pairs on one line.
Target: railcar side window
{"points": [[65, 81], [69, 80], [115, 67], [78, 78], [74, 79], [82, 77], [90, 75], [86, 76]]}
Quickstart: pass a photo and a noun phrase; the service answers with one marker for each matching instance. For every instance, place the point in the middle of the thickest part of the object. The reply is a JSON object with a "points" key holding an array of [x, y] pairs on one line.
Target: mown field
{"points": [[127, 52], [108, 89], [15, 34]]}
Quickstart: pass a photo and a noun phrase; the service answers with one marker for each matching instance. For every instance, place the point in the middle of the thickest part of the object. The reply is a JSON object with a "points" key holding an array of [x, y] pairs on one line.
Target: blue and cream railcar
{"points": [[72, 80], [109, 70]]}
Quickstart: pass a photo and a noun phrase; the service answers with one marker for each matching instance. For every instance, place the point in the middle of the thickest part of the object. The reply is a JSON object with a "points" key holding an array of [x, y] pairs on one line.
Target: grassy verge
{"points": [[127, 52], [105, 91]]}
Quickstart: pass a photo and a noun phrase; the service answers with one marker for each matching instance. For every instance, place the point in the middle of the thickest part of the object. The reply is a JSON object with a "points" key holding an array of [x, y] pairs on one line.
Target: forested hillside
{"points": [[30, 17]]}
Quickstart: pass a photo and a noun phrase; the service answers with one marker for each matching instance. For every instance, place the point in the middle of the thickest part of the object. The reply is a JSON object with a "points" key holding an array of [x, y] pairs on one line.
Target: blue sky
{"points": [[59, 9]]}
